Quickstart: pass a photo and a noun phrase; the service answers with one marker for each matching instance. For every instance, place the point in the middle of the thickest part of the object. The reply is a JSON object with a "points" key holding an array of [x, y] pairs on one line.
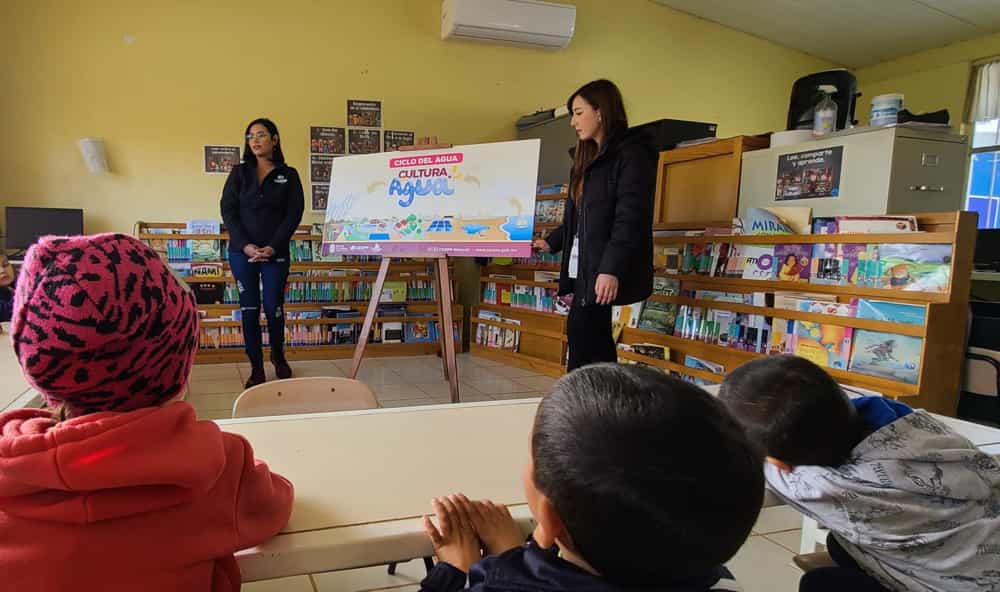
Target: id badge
{"points": [[574, 258]]}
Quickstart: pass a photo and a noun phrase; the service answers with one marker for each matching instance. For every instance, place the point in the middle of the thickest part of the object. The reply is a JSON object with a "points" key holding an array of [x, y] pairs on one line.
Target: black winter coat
{"points": [[266, 214], [616, 222]]}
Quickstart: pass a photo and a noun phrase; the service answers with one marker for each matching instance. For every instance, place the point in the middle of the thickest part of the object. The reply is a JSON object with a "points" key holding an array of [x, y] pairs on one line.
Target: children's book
{"points": [[658, 316], [875, 224], [792, 262], [205, 250], [705, 365], [758, 262], [651, 350], [920, 268], [825, 307], [827, 346], [735, 263], [418, 330], [393, 291], [762, 221], [782, 337], [893, 312], [795, 217], [896, 357], [667, 258], [210, 270], [666, 286], [624, 316], [202, 227]]}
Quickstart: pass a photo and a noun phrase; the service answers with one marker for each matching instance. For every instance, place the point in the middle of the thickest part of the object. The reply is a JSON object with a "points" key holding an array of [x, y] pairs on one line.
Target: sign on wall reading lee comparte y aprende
{"points": [[466, 201]]}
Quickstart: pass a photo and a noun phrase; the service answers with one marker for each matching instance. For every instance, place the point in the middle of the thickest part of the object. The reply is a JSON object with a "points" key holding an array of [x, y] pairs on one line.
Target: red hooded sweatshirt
{"points": [[146, 500]]}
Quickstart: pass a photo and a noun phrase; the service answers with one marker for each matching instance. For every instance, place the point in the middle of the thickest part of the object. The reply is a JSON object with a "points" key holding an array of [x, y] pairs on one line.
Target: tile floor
{"points": [[764, 564]]}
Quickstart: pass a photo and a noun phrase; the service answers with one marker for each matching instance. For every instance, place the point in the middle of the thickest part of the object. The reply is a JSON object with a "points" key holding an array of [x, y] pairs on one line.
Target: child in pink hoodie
{"points": [[119, 487]]}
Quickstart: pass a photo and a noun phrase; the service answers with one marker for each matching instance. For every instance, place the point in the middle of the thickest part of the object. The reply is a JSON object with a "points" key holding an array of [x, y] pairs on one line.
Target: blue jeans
{"points": [[253, 278]]}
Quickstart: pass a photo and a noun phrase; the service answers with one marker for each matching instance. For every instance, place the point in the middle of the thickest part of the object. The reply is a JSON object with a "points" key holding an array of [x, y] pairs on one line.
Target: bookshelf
{"points": [[541, 332], [308, 337], [942, 334]]}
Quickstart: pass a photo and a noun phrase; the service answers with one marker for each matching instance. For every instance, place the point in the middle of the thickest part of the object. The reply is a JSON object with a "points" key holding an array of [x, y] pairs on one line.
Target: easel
{"points": [[446, 331]]}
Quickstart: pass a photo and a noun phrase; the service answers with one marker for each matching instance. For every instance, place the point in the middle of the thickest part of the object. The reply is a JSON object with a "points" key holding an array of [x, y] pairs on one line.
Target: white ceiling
{"points": [[853, 33]]}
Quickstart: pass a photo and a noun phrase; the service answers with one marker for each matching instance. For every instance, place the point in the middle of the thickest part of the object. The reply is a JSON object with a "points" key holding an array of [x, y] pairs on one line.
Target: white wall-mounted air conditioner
{"points": [[530, 23]]}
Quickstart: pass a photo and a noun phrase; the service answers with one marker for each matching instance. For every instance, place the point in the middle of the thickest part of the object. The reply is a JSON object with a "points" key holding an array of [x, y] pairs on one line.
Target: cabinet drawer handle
{"points": [[937, 188]]}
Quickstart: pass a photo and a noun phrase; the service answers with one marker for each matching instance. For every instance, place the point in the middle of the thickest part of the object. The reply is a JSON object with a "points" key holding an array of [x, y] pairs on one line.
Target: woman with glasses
{"points": [[262, 205]]}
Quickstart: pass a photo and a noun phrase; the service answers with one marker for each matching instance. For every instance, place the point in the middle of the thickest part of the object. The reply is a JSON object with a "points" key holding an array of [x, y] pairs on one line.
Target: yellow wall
{"points": [[930, 80], [198, 71]]}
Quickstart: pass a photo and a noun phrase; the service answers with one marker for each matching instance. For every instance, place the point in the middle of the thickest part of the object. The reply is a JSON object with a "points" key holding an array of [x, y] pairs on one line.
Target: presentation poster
{"points": [[466, 201]]}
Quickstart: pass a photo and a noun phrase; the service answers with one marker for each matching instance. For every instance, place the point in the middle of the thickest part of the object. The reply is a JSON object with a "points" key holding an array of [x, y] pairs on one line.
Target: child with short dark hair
{"points": [[118, 487], [910, 504], [637, 480]]}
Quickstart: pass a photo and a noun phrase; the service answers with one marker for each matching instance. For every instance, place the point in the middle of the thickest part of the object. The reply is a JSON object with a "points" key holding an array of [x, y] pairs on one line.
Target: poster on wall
{"points": [[392, 140], [466, 201], [319, 167], [364, 113], [363, 141], [326, 140], [319, 195], [809, 175], [219, 160]]}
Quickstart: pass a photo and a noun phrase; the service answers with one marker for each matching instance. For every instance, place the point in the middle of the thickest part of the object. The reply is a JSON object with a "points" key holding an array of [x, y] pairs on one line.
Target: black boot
{"points": [[281, 368], [257, 375]]}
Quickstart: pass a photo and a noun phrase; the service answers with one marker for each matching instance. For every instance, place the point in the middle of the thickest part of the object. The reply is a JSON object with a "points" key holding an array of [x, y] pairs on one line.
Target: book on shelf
{"points": [[183, 270], [922, 268], [705, 366], [546, 276], [393, 291], [835, 264], [736, 262], [892, 312], [202, 227], [792, 262], [875, 224], [549, 211], [563, 303], [658, 316], [666, 286], [782, 339], [206, 250], [667, 258], [511, 338], [209, 292], [790, 300], [624, 316], [827, 346], [758, 262], [885, 355], [796, 218], [207, 269], [760, 221]]}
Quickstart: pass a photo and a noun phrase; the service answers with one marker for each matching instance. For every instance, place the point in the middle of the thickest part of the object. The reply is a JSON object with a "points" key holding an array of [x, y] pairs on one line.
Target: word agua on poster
{"points": [[470, 201]]}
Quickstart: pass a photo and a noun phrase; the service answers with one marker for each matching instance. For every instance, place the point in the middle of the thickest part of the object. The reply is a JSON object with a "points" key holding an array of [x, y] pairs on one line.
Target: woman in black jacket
{"points": [[262, 205], [606, 235]]}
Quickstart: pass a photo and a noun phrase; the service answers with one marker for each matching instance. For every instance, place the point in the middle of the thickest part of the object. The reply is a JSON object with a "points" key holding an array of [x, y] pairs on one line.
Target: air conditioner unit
{"points": [[528, 23]]}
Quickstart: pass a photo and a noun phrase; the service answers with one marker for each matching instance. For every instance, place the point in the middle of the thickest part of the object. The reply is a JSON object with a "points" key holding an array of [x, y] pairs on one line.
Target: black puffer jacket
{"points": [[616, 222]]}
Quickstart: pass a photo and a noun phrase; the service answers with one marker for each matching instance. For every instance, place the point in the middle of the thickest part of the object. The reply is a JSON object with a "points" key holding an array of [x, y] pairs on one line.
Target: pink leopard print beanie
{"points": [[100, 323]]}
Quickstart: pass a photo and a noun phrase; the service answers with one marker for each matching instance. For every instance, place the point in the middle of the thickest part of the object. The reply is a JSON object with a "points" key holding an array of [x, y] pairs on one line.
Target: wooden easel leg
{"points": [[359, 349], [447, 327], [439, 296]]}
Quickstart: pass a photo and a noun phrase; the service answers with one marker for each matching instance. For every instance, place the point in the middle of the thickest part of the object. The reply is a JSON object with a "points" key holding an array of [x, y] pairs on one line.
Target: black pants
{"points": [[588, 331], [846, 576], [272, 275]]}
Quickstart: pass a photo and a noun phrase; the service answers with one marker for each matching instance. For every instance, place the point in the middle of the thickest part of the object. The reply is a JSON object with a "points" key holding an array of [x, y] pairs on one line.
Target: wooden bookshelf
{"points": [[943, 334], [542, 345], [416, 270]]}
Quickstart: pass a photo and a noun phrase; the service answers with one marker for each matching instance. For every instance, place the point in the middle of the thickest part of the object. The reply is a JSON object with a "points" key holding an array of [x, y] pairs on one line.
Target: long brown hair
{"points": [[604, 96]]}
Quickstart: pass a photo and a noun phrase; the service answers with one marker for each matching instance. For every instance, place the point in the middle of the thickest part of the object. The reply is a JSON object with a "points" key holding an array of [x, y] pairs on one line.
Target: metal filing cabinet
{"points": [[897, 169]]}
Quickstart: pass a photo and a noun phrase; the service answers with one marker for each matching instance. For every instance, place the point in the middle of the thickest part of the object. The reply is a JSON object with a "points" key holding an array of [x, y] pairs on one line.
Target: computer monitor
{"points": [[987, 249], [25, 225]]}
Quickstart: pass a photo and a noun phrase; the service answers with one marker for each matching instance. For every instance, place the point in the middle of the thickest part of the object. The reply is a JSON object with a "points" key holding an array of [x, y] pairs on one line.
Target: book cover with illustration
{"points": [[896, 357], [205, 250], [835, 264], [758, 262], [827, 346], [624, 316], [651, 350], [418, 330], [735, 263], [892, 312], [667, 258], [666, 286], [875, 224], [825, 307], [706, 366], [761, 221], [658, 316], [782, 334], [549, 211], [792, 262], [393, 291], [920, 268]]}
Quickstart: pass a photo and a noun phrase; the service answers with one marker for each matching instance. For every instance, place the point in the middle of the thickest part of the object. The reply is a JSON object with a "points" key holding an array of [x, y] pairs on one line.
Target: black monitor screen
{"points": [[25, 225]]}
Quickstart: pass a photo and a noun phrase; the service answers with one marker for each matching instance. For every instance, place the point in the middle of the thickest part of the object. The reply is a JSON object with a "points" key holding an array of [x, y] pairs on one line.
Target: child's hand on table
{"points": [[454, 538], [495, 526]]}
